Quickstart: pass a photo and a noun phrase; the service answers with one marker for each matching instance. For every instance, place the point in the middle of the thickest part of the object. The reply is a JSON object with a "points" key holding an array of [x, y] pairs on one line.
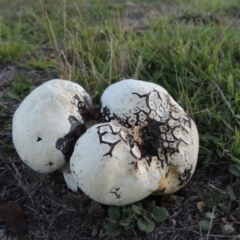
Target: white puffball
{"points": [[166, 131], [103, 164], [43, 124], [134, 102]]}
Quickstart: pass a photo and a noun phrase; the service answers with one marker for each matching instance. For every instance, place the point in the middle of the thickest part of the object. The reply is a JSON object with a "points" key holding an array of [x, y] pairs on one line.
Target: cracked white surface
{"points": [[148, 144]]}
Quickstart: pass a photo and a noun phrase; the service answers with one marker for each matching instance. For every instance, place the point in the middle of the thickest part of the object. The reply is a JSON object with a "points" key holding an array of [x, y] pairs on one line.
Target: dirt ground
{"points": [[53, 212]]}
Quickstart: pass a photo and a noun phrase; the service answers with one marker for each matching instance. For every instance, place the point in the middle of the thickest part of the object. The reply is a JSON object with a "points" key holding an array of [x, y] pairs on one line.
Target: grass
{"points": [[193, 51]]}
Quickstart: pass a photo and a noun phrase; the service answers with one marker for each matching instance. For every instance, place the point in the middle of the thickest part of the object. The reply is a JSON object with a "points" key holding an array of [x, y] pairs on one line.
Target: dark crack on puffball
{"points": [[157, 136], [105, 116], [50, 164], [162, 135], [85, 108], [185, 176], [67, 143], [39, 139], [110, 144], [115, 192]]}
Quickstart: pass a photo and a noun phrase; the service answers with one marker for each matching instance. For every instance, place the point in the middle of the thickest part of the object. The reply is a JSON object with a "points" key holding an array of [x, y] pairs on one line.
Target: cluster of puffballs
{"points": [[140, 142]]}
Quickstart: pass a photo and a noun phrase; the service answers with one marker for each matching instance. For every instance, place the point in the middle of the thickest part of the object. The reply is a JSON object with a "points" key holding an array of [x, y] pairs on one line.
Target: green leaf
{"points": [[151, 205], [237, 212], [114, 213], [139, 204], [228, 125], [14, 96], [236, 160], [113, 229], [159, 214], [127, 214], [230, 84], [234, 169], [144, 203], [229, 191], [124, 222], [136, 209], [145, 226], [217, 196], [209, 203], [131, 225], [210, 215], [205, 225], [7, 148], [222, 207], [136, 217], [179, 199], [219, 152]]}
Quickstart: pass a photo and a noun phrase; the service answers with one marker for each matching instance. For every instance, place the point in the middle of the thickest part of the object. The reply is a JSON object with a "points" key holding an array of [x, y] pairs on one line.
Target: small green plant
{"points": [[20, 88], [234, 169], [5, 115], [143, 214], [13, 51], [6, 149], [224, 209]]}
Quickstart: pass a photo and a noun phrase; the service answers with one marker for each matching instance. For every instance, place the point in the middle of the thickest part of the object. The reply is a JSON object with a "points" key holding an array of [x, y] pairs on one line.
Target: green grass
{"points": [[197, 62], [20, 88]]}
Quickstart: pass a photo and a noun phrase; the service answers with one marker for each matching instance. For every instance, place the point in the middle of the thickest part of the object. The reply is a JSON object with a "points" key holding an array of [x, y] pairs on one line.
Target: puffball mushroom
{"points": [[103, 166], [47, 125], [166, 131], [148, 144]]}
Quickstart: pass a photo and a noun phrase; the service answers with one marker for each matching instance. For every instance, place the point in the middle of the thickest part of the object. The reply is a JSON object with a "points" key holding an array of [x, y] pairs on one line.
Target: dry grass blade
{"points": [[228, 104], [59, 54]]}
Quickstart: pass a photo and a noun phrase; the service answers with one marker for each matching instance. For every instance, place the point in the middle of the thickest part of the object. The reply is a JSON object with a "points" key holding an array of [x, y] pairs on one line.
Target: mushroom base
{"points": [[68, 177]]}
